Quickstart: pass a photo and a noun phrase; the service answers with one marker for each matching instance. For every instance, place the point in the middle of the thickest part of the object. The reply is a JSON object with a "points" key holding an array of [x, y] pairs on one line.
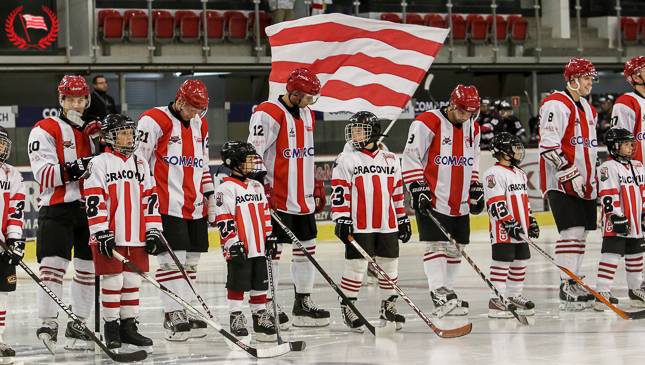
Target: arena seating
{"points": [[214, 26], [517, 29], [391, 17], [136, 25], [163, 26], [187, 25]]}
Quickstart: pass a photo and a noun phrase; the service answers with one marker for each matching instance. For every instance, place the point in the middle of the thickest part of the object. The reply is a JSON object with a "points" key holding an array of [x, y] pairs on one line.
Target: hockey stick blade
{"points": [[521, 318], [454, 332], [297, 345]]}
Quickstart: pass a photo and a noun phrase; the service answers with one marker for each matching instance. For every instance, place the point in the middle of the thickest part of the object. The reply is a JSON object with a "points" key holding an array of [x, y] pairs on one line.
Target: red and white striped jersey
{"points": [[621, 189], [505, 192], [242, 215], [572, 129], [53, 142], [286, 145], [178, 156], [629, 113], [120, 195], [446, 156], [12, 202], [367, 187]]}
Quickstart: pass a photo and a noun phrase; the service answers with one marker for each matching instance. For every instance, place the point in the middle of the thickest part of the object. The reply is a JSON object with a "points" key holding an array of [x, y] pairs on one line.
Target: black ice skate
{"points": [[285, 321], [6, 350], [77, 339], [497, 309], [307, 314], [238, 324], [130, 335], [599, 306], [444, 300], [48, 334], [637, 298], [571, 300], [112, 335], [389, 312], [176, 325], [524, 306], [197, 327], [264, 327], [350, 318]]}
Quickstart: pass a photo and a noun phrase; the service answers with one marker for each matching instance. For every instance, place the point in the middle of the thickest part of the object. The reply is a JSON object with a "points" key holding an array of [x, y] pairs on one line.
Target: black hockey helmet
{"points": [[235, 156], [508, 145], [112, 126], [362, 129], [614, 138], [5, 145]]}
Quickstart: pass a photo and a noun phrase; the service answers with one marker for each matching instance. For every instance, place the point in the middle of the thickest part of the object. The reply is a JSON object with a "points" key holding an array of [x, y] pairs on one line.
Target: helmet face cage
{"points": [[510, 146], [242, 158], [5, 147], [614, 148], [359, 134], [117, 143]]}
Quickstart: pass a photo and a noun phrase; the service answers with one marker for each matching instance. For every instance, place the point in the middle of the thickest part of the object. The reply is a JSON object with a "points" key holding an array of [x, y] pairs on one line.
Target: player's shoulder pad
{"points": [[626, 99]]}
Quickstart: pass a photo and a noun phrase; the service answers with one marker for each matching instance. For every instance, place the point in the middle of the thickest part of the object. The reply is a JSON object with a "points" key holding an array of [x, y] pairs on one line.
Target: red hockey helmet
{"points": [[73, 85], [465, 97], [579, 67], [194, 92], [632, 67], [304, 80]]}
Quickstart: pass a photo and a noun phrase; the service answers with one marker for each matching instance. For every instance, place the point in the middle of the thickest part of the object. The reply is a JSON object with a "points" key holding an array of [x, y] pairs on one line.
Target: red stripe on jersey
{"points": [[392, 215], [584, 126], [361, 220], [457, 172], [161, 166], [94, 191], [53, 129], [114, 200], [5, 212], [188, 149], [241, 229], [142, 216], [97, 220], [432, 169], [300, 144], [128, 210], [632, 205], [377, 203], [525, 201], [516, 209], [279, 194], [633, 104], [341, 182], [256, 226]]}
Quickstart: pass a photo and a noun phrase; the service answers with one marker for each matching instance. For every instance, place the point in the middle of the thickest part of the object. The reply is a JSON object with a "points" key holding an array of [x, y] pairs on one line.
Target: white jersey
{"points": [[367, 187], [621, 189], [505, 192], [178, 156], [53, 142], [286, 145], [12, 202], [629, 113], [571, 129], [120, 196], [446, 157], [242, 215]]}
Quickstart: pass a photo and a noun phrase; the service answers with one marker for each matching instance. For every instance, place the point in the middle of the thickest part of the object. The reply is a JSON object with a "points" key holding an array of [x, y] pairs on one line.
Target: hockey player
{"points": [[440, 167], [13, 204], [620, 187], [367, 202], [173, 140], [122, 210], [282, 132], [629, 110], [59, 150], [568, 149], [487, 123], [508, 122], [507, 200], [244, 221]]}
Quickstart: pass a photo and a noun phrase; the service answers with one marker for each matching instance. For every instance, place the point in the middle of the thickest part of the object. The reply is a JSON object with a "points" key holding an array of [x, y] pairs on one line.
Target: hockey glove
{"points": [[571, 182], [236, 253], [271, 246], [212, 214], [106, 243], [421, 198], [534, 229], [319, 195], [620, 224], [17, 247], [154, 243], [92, 129], [513, 229], [405, 229], [74, 171], [476, 197], [344, 228]]}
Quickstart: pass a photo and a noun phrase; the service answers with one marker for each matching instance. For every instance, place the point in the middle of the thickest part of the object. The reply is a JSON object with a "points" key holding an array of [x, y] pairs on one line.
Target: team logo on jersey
{"points": [[309, 128], [454, 160], [219, 199], [11, 279], [604, 174], [186, 161], [68, 144], [389, 158], [174, 139], [446, 140], [584, 141], [298, 152], [490, 181], [198, 139], [292, 133]]}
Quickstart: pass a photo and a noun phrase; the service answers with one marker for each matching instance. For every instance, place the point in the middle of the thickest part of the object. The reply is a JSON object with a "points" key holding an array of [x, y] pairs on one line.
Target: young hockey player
{"points": [[122, 210], [620, 187], [244, 222], [505, 191], [367, 203], [13, 204]]}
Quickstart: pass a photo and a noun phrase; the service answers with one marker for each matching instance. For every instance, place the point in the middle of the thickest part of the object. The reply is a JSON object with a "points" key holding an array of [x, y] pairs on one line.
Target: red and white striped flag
{"points": [[362, 64], [34, 21]]}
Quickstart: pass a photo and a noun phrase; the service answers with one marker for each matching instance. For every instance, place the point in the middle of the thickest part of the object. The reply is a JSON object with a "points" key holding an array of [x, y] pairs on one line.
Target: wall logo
{"points": [[17, 22]]}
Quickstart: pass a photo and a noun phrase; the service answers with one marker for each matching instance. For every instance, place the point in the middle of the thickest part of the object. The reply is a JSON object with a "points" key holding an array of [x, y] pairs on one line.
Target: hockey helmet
{"points": [[235, 156], [303, 80], [614, 138], [5, 145], [75, 86], [632, 67], [465, 97], [579, 67], [362, 129], [119, 132], [506, 144], [194, 92]]}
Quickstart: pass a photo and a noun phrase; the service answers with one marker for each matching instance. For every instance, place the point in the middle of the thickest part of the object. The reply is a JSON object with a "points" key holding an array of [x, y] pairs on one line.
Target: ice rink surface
{"points": [[554, 338]]}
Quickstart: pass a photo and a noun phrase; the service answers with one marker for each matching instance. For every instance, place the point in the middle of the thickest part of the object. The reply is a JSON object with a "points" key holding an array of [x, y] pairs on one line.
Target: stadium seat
{"points": [[136, 23], [517, 29], [629, 30], [105, 12], [458, 28], [187, 25], [501, 28], [477, 28], [414, 18], [641, 29], [110, 25], [391, 17], [163, 26], [265, 21], [236, 26], [435, 20], [214, 26]]}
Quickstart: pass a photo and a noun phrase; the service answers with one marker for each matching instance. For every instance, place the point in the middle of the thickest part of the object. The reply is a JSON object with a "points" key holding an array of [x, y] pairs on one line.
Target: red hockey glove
{"points": [[319, 195]]}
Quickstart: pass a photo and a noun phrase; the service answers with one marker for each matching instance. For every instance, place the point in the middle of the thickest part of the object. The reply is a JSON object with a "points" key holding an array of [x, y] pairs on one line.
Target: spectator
{"points": [[604, 114], [101, 104], [487, 123], [281, 10], [508, 122]]}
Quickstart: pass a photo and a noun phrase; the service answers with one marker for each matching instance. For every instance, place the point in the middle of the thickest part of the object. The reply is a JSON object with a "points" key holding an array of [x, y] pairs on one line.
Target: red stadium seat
{"points": [[391, 17], [265, 21], [236, 26], [458, 28], [501, 27], [414, 18], [517, 29], [110, 25], [629, 30], [187, 25], [435, 20], [163, 26], [477, 28], [214, 26], [641, 29], [105, 12], [136, 22]]}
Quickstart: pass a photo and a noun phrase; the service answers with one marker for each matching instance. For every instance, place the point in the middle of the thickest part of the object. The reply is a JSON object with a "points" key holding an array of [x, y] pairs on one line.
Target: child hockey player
{"points": [[122, 210], [621, 186], [244, 222], [505, 191], [367, 203]]}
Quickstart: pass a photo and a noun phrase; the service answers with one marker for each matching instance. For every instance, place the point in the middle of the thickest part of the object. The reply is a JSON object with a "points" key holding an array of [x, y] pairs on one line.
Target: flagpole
{"points": [[24, 27], [387, 130]]}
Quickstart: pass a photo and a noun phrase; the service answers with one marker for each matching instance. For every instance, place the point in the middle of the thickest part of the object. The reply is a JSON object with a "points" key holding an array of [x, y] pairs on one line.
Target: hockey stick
{"points": [[121, 357], [376, 331], [510, 306], [295, 345], [450, 333], [625, 315], [255, 352]]}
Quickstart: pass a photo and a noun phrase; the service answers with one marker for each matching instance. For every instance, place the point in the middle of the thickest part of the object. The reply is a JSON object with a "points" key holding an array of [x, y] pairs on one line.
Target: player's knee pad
{"points": [[574, 233], [192, 260], [168, 266], [437, 246], [389, 264], [85, 266], [111, 282], [452, 251], [167, 263], [55, 262], [356, 266], [131, 280]]}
